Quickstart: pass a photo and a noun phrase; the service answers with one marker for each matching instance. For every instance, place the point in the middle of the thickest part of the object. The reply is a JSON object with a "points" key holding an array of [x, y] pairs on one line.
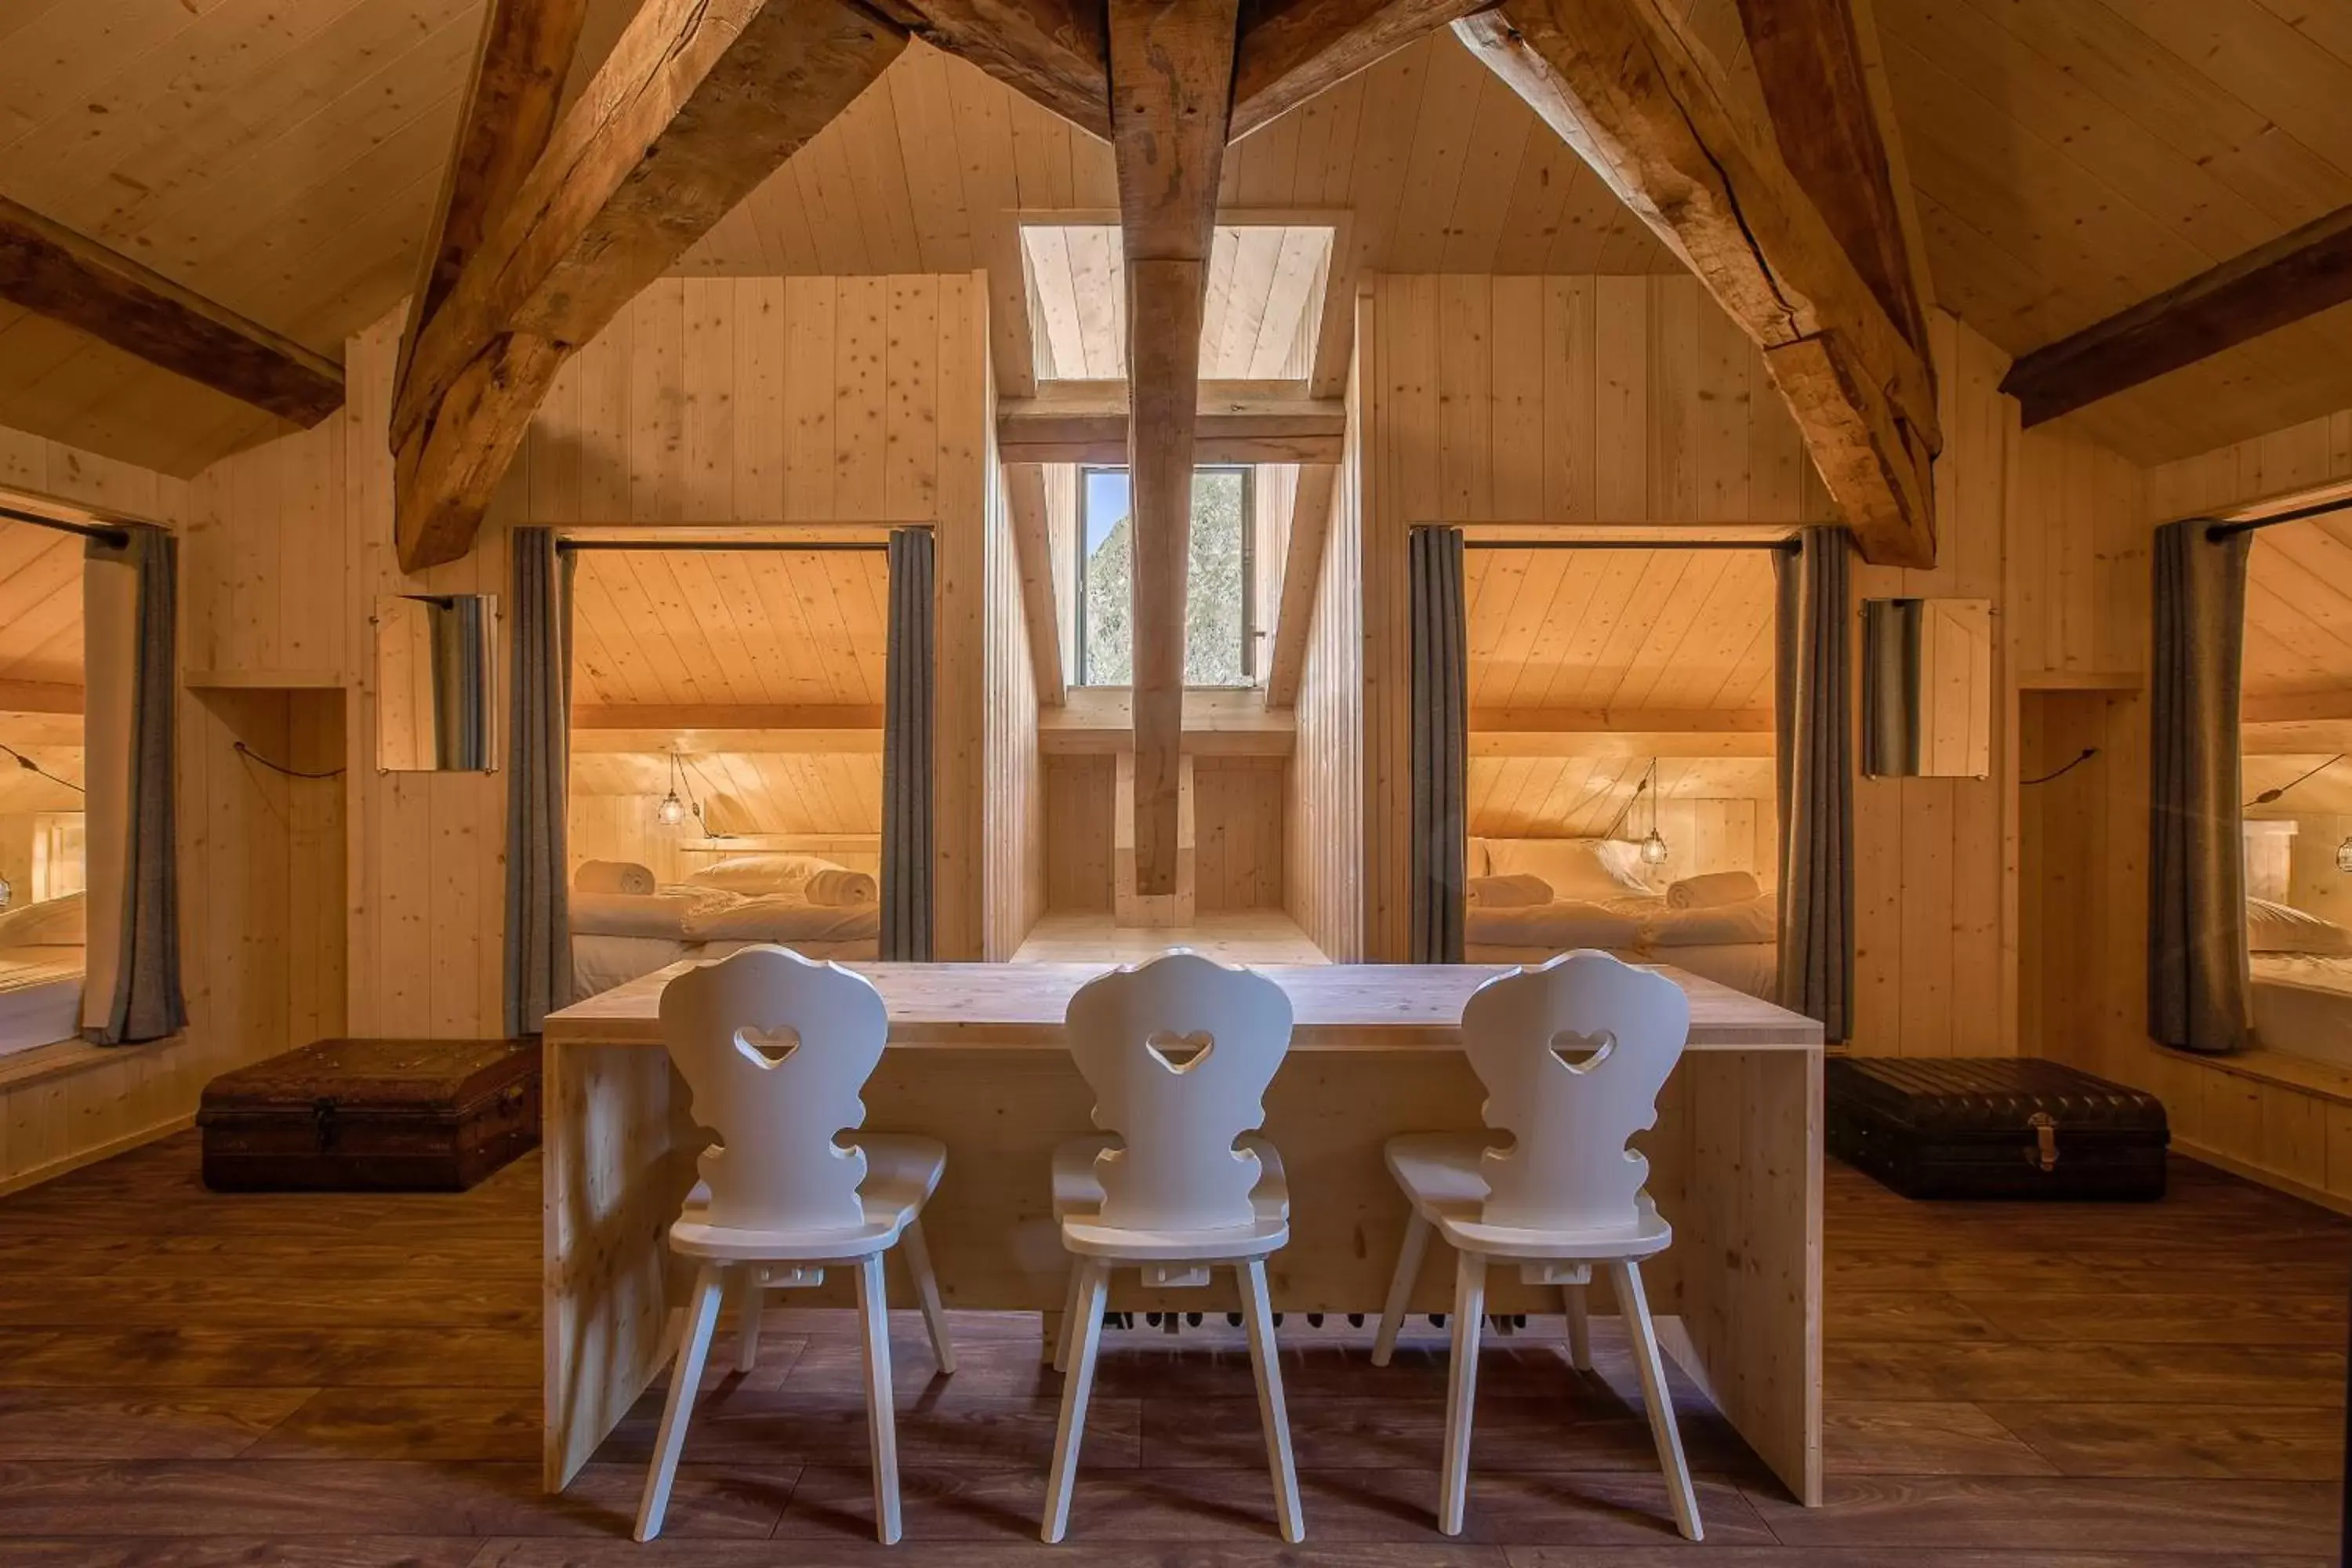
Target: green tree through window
{"points": [[1217, 586]]}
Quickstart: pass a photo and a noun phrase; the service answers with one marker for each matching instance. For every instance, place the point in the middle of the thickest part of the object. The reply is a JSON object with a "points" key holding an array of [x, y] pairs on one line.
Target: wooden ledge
{"points": [[1098, 721]]}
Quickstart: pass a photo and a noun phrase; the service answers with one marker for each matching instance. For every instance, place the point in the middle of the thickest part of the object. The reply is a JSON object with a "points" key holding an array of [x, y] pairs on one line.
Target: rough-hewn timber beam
{"points": [[2276, 285], [1810, 63], [1025, 491], [503, 124], [1292, 50], [698, 101], [1648, 108], [1052, 51], [1302, 567], [48, 269], [1172, 73], [1236, 422]]}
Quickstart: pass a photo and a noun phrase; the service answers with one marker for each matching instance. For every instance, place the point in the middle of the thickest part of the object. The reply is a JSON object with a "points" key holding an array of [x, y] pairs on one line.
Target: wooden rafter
{"points": [[1234, 421], [1302, 567], [1647, 107], [2294, 276], [1052, 51], [1292, 50], [48, 269], [1025, 494], [1810, 63], [1171, 71], [698, 101], [508, 113]]}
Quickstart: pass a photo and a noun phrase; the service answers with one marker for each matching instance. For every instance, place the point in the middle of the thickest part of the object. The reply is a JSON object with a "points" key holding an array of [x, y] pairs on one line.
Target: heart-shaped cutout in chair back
{"points": [[1582, 1053], [1180, 1053], [769, 1048]]}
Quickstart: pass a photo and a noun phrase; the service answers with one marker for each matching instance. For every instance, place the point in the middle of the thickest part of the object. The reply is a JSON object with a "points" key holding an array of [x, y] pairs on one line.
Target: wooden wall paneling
{"points": [[1015, 822], [1322, 839], [1238, 811], [1078, 804]]}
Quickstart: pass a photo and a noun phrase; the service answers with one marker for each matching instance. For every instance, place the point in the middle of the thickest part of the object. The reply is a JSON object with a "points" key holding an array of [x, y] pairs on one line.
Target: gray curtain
{"points": [[539, 922], [1815, 763], [1441, 742], [147, 1003], [906, 751], [2198, 986]]}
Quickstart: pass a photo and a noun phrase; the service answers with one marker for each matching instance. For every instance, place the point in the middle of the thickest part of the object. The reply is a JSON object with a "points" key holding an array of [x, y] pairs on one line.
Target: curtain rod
{"points": [[1777, 546], [728, 546], [113, 536], [2222, 531]]}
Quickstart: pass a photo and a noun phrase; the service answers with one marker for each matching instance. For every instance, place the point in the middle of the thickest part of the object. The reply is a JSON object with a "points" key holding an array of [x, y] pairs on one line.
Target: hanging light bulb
{"points": [[2343, 856], [1653, 848], [671, 811]]}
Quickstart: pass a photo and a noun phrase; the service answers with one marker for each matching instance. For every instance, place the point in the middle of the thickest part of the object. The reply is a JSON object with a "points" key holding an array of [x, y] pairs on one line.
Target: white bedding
{"points": [[1734, 945], [1749, 966], [40, 994], [2303, 1004]]}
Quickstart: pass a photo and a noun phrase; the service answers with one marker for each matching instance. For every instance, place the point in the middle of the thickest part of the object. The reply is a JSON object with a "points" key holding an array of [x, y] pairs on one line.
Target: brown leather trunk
{"points": [[372, 1116]]}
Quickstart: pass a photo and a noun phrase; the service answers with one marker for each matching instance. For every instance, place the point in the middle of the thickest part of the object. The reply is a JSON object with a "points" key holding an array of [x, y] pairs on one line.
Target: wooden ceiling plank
{"points": [[1024, 490], [1293, 49], [48, 269], [699, 102], [1171, 72], [2293, 278], [1302, 569], [1619, 80]]}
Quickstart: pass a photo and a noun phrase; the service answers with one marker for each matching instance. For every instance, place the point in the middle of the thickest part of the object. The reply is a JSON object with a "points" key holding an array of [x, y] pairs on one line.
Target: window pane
{"points": [[1217, 585], [1216, 589], [1109, 555]]}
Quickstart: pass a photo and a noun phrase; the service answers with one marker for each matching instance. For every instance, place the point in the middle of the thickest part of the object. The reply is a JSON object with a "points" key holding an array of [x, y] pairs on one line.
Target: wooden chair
{"points": [[1573, 1055], [1179, 1052], [774, 1049]]}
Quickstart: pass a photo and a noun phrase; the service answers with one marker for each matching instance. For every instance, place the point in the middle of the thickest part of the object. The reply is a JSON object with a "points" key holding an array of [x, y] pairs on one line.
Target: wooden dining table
{"points": [[976, 1060]]}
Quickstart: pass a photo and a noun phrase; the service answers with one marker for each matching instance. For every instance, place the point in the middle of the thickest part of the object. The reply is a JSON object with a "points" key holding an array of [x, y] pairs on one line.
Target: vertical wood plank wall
{"points": [[1239, 805], [1014, 829], [1322, 839]]}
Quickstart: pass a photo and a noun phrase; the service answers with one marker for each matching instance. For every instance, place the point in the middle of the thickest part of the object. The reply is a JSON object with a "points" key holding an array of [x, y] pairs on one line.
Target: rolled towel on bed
{"points": [[1516, 892], [837, 886], [613, 877], [1715, 888]]}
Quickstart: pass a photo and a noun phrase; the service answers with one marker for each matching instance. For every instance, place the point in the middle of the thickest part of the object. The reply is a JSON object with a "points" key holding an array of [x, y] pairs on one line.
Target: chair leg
{"points": [[1579, 1328], [927, 1292], [1461, 1389], [1408, 1270], [1094, 1277], [1068, 1337], [752, 1299], [1636, 1307], [1266, 1362], [881, 1421], [685, 1378]]}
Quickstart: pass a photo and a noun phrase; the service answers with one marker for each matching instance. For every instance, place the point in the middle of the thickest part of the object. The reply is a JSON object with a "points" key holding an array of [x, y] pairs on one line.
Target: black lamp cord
{"points": [[242, 750], [31, 766], [2088, 753]]}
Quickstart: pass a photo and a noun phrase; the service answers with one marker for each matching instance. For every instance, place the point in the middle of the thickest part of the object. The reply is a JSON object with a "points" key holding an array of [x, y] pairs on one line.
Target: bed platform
{"points": [[1229, 936]]}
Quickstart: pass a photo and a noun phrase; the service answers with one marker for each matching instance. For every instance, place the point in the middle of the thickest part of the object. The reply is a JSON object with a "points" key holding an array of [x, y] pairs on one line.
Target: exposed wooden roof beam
{"points": [[1024, 490], [40, 696], [1052, 51], [1236, 422], [1302, 568], [2330, 704], [1810, 63], [1620, 732], [698, 101], [503, 125], [70, 278], [1172, 73], [1100, 720], [2294, 276], [1646, 106], [1292, 50]]}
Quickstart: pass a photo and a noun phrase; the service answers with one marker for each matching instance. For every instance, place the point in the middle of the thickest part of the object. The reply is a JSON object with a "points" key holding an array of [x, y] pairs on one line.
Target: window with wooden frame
{"points": [[1220, 640]]}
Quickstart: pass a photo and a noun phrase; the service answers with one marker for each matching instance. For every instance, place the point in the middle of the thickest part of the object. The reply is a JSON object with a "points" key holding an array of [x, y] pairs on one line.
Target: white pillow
{"points": [[1713, 888], [770, 873], [1521, 892], [2282, 928], [1580, 870]]}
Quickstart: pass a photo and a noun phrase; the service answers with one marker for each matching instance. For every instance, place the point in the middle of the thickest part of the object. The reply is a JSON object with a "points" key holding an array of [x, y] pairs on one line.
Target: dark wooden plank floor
{"points": [[188, 1380]]}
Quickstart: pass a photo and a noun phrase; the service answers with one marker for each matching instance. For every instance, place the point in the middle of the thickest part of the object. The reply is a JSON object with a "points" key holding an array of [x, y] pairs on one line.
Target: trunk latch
{"points": [[2043, 1155]]}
